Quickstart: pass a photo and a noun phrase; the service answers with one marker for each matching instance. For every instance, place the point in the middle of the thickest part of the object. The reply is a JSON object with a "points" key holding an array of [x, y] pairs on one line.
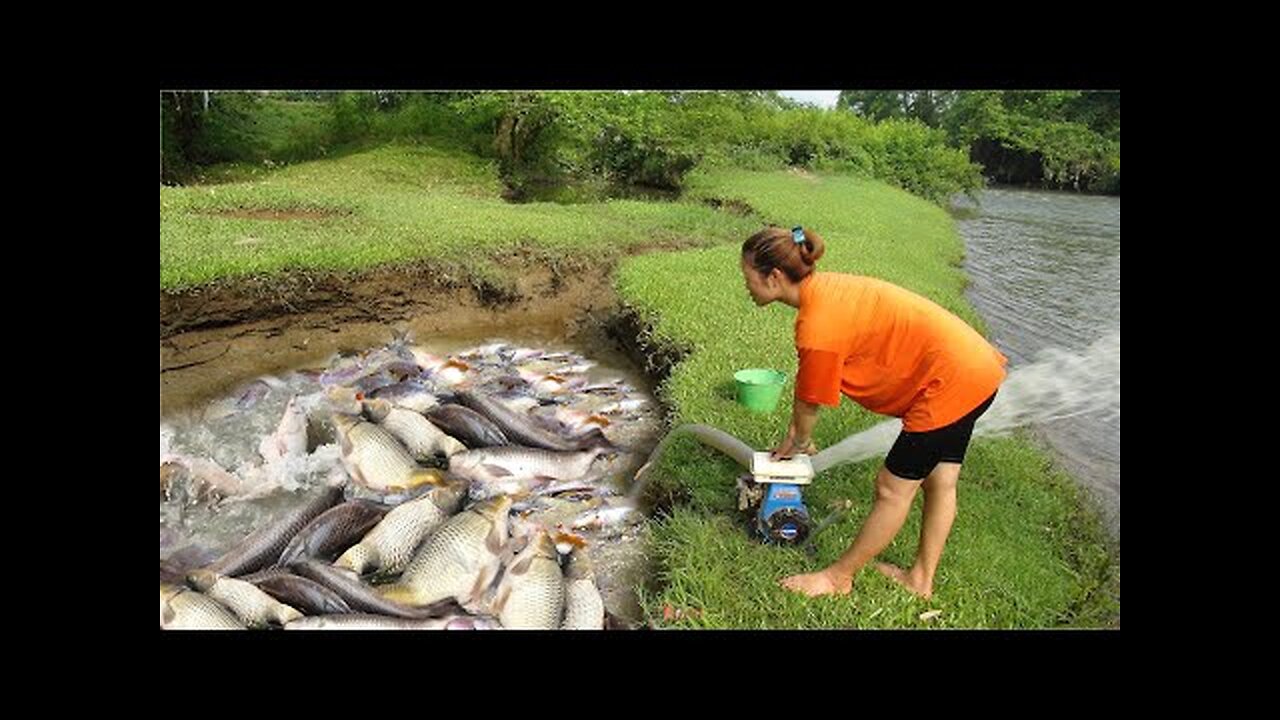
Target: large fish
{"points": [[467, 425], [302, 593], [183, 609], [392, 498], [333, 531], [251, 604], [265, 574], [382, 622], [513, 469], [389, 546], [423, 440], [531, 593], [361, 597], [519, 429], [410, 395], [583, 605], [263, 546], [459, 560], [375, 458]]}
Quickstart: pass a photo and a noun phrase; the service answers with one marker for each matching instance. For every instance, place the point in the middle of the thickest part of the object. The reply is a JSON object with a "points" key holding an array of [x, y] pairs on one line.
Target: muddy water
{"points": [[197, 523]]}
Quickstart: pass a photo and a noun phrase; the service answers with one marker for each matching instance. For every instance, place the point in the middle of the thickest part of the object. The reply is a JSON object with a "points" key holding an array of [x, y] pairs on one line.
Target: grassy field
{"points": [[394, 204], [1023, 552]]}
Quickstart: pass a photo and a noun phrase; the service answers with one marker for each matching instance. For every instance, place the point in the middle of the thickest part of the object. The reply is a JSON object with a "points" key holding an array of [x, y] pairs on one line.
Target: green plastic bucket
{"points": [[759, 389]]}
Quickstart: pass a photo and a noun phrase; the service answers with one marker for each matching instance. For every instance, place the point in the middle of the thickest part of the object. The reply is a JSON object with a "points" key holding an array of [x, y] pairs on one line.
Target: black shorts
{"points": [[915, 454]]}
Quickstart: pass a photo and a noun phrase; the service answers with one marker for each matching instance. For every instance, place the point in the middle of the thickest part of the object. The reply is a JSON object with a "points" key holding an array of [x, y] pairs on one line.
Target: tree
{"points": [[927, 106], [875, 105], [181, 120]]}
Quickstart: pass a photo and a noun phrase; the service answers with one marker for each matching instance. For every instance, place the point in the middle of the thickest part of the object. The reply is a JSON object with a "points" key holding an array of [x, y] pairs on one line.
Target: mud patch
{"points": [[635, 338], [734, 207], [214, 338]]}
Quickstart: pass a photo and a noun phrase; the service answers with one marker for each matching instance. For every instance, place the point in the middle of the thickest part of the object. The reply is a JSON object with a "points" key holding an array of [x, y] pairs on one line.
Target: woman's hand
{"points": [[792, 446], [803, 418]]}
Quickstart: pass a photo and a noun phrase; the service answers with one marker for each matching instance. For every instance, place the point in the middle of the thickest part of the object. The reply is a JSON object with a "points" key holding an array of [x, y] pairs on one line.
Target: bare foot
{"points": [[910, 581], [818, 583]]}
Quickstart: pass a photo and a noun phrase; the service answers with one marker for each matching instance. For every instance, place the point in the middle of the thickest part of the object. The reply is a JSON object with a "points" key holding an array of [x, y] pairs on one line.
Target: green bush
{"points": [[587, 138], [1074, 135], [352, 116]]}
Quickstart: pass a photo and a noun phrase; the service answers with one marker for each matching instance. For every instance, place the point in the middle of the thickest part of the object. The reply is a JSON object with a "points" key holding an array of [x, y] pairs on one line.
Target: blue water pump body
{"points": [[783, 517]]}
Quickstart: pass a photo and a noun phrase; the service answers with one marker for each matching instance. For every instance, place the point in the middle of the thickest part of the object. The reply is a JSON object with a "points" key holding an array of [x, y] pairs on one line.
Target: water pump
{"points": [[773, 490]]}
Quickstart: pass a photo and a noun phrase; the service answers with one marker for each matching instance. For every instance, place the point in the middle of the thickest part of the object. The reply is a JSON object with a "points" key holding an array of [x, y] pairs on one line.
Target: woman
{"points": [[893, 352]]}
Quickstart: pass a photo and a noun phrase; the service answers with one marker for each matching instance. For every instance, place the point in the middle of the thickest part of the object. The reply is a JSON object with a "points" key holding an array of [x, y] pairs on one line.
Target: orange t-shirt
{"points": [[890, 350]]}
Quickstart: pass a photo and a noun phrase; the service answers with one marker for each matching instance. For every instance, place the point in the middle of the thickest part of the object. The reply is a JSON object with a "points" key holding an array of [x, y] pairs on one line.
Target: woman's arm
{"points": [[800, 434]]}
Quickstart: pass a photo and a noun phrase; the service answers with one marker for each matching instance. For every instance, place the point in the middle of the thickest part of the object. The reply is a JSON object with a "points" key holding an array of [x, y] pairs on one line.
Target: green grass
{"points": [[398, 203], [1005, 566], [1022, 553]]}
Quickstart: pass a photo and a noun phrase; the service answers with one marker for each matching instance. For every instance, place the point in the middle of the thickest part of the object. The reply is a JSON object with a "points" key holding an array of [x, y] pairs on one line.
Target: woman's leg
{"points": [[939, 514], [893, 500]]}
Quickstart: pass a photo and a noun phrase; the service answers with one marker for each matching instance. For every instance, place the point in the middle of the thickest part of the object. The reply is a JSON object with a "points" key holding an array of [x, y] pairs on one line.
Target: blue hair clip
{"points": [[797, 234]]}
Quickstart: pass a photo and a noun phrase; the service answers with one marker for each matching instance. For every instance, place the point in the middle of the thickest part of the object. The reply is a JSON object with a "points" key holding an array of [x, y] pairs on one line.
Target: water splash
{"points": [[1058, 384]]}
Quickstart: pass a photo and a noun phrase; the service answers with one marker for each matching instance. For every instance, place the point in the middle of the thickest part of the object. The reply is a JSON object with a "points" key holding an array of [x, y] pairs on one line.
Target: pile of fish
{"points": [[425, 492]]}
